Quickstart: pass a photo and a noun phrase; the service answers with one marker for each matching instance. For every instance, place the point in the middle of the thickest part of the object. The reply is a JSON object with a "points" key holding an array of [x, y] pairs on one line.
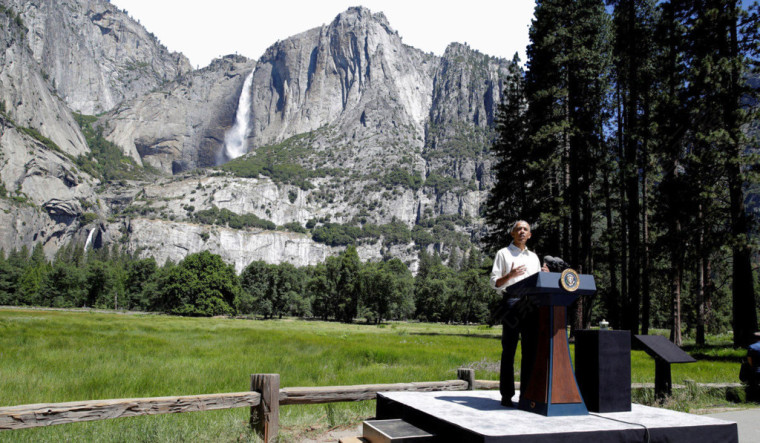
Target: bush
{"points": [[295, 227], [442, 183], [35, 134], [335, 234], [280, 162], [225, 217], [400, 177], [87, 218], [396, 233]]}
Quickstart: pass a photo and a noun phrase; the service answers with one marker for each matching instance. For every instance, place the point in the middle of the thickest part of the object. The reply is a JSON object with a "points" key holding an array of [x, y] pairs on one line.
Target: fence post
{"points": [[265, 418], [467, 375]]}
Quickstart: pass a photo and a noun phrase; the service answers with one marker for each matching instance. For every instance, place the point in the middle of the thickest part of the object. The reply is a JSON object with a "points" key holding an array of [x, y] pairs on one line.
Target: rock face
{"points": [[94, 54], [43, 193], [353, 73], [347, 125], [166, 240], [182, 126], [26, 96]]}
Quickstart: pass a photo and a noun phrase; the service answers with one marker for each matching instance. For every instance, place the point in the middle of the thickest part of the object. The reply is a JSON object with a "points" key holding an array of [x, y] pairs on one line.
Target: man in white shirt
{"points": [[512, 264]]}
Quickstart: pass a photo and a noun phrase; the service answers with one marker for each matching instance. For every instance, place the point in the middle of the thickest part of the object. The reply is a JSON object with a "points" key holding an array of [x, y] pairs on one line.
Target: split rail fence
{"points": [[264, 399]]}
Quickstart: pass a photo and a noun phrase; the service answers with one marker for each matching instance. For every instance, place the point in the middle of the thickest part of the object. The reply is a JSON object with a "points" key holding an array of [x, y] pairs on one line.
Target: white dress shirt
{"points": [[509, 258]]}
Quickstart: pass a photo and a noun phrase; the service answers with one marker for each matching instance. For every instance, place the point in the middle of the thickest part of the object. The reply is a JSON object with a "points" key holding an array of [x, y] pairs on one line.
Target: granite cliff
{"points": [[349, 130], [94, 54]]}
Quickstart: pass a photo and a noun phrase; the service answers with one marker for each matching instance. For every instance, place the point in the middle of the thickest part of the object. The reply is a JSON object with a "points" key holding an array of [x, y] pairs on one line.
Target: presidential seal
{"points": [[569, 280]]}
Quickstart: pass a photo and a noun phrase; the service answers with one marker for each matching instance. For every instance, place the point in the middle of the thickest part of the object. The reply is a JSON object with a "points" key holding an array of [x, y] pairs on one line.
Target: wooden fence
{"points": [[264, 399]]}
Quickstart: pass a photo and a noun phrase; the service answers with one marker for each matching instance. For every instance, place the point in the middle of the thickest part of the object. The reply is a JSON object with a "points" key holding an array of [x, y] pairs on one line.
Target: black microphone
{"points": [[555, 264]]}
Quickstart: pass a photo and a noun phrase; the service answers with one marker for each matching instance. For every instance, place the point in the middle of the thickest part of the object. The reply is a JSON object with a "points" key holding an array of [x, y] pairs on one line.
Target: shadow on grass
{"points": [[717, 352], [728, 347], [498, 337], [707, 357]]}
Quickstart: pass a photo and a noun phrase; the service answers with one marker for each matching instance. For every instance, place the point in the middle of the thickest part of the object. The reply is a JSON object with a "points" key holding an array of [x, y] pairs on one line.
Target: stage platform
{"points": [[478, 416]]}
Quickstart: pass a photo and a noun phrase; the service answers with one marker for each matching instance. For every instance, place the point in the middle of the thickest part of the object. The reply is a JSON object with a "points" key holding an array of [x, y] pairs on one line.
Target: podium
{"points": [[552, 389]]}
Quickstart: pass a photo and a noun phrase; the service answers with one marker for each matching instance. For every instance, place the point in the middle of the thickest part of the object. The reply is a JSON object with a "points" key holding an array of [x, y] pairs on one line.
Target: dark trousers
{"points": [[753, 388], [520, 321]]}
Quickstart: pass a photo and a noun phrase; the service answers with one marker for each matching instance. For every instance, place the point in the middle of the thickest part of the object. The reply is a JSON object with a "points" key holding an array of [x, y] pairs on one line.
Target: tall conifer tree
{"points": [[507, 200], [633, 49], [567, 87]]}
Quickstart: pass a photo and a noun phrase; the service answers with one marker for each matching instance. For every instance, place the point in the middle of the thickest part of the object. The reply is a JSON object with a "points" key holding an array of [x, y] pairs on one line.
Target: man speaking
{"points": [[512, 264]]}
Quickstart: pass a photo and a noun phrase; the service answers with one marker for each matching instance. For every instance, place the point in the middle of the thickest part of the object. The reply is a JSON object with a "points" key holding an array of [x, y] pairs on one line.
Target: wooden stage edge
{"points": [[478, 416]]}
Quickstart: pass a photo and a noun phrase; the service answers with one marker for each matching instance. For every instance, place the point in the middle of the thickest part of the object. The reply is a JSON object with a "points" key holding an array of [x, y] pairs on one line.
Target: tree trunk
{"points": [[646, 301], [709, 290], [675, 331], [613, 294], [623, 251], [675, 285], [632, 191], [700, 301], [743, 291]]}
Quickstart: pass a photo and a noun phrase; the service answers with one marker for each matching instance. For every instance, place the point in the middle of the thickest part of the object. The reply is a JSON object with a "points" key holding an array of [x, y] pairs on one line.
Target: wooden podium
{"points": [[552, 389]]}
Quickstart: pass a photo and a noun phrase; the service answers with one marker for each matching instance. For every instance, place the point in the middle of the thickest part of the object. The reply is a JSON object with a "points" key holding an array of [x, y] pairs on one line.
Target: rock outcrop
{"points": [[94, 54], [26, 97], [43, 195], [354, 73], [181, 126]]}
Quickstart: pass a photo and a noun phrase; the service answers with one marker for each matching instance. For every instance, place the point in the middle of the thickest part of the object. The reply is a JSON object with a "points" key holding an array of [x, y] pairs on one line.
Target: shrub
{"points": [[295, 227], [87, 218], [50, 144], [400, 177], [225, 217]]}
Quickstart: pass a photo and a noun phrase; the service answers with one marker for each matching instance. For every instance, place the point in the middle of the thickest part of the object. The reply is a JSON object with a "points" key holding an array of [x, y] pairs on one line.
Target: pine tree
{"points": [[507, 201], [670, 133], [701, 147], [567, 87], [634, 64], [721, 47]]}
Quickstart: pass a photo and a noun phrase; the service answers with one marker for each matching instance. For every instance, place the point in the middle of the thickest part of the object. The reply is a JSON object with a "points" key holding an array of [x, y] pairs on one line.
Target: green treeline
{"points": [[342, 288], [629, 143]]}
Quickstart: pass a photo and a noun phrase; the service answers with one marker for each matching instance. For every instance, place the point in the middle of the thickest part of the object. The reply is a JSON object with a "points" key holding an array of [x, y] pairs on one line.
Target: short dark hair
{"points": [[518, 222]]}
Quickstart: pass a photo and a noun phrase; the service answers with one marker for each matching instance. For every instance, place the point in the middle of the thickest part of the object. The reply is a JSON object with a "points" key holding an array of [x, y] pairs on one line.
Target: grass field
{"points": [[57, 356]]}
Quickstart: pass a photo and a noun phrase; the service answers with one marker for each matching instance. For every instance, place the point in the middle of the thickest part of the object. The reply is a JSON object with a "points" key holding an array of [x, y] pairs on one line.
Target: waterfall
{"points": [[89, 239], [235, 137]]}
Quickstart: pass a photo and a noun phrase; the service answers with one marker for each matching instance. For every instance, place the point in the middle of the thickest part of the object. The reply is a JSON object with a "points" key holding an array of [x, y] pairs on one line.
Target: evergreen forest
{"points": [[631, 145]]}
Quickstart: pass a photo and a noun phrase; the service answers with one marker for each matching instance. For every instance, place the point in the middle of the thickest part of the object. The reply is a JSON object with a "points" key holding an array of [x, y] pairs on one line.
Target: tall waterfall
{"points": [[89, 239], [235, 137]]}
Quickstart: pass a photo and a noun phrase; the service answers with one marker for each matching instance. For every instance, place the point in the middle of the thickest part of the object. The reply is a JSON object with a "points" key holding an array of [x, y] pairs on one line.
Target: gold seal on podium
{"points": [[569, 280]]}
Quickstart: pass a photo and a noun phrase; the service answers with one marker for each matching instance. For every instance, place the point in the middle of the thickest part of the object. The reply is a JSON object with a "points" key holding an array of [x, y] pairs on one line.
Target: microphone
{"points": [[555, 264]]}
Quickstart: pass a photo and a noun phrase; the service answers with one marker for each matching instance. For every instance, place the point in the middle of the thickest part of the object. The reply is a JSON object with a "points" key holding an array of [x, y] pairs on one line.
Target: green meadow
{"points": [[51, 356]]}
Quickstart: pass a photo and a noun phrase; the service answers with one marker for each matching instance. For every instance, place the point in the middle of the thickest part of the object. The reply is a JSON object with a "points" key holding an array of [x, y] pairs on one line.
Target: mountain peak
{"points": [[358, 14]]}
